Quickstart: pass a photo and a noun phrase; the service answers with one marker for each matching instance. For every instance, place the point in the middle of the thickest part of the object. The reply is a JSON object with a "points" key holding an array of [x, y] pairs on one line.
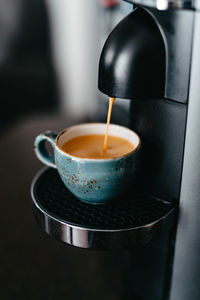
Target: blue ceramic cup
{"points": [[94, 181]]}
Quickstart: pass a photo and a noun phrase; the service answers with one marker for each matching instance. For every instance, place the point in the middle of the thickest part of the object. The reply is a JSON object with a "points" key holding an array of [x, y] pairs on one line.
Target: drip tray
{"points": [[127, 222]]}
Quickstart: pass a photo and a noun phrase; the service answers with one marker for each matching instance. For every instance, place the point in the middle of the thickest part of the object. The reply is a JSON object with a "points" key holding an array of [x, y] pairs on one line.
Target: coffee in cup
{"points": [[91, 146]]}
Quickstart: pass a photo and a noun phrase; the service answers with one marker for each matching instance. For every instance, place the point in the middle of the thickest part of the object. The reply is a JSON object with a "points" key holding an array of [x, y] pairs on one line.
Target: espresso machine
{"points": [[152, 58]]}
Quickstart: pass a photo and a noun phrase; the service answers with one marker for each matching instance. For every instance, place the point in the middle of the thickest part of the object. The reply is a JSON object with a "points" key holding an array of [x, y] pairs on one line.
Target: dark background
{"points": [[33, 265]]}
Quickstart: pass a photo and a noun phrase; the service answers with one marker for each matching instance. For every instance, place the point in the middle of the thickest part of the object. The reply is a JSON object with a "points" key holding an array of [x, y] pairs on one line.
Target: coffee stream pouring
{"points": [[105, 146]]}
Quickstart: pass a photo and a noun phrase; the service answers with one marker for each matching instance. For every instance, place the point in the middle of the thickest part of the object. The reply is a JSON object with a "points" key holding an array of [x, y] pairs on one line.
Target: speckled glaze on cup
{"points": [[94, 181]]}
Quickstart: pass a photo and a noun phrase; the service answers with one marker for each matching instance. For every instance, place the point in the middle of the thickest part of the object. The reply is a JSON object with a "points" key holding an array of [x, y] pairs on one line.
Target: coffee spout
{"points": [[132, 62]]}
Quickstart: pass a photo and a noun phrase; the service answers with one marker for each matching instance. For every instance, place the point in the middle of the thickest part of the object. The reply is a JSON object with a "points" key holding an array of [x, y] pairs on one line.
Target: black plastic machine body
{"points": [[152, 57]]}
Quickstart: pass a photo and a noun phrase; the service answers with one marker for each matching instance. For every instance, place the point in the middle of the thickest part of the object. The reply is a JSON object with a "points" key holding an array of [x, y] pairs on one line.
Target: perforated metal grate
{"points": [[127, 212]]}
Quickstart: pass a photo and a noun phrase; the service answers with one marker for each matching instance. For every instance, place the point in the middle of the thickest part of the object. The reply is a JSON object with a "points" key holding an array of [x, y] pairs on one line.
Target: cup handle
{"points": [[41, 151]]}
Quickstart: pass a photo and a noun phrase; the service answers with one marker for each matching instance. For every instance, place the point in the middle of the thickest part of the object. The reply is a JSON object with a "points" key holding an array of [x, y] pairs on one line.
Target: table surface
{"points": [[33, 265]]}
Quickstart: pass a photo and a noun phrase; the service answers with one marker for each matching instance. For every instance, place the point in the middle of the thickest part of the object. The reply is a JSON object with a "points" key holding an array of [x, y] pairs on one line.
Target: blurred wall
{"points": [[27, 77], [79, 29], [75, 34]]}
